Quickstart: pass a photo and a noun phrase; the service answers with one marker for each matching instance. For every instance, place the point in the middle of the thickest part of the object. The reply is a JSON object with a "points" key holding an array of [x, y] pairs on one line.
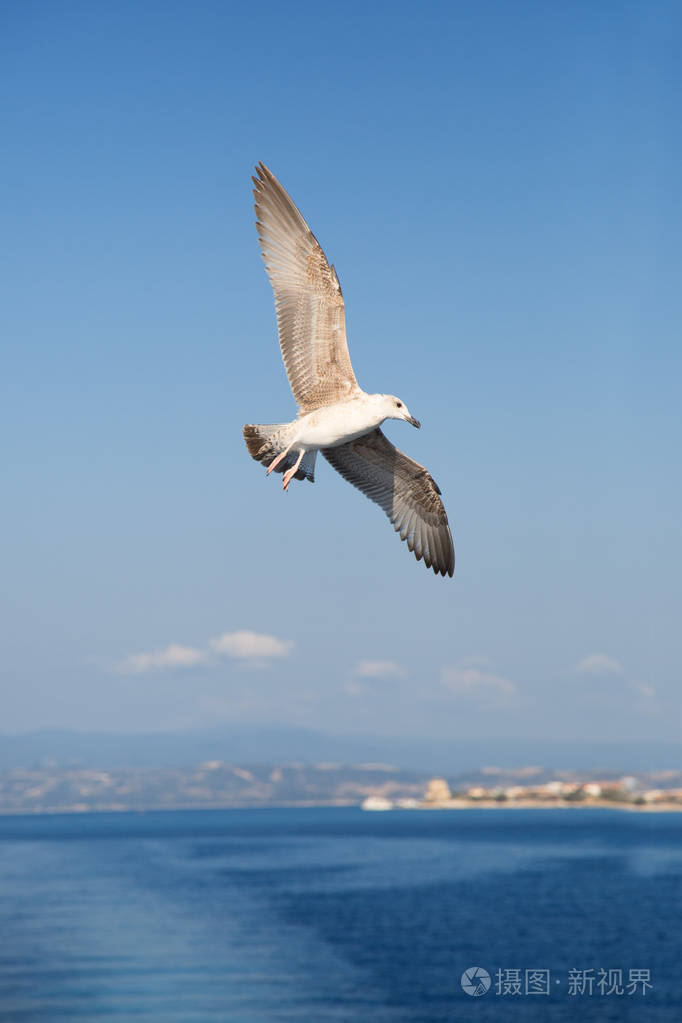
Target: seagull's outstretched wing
{"points": [[404, 489], [310, 311]]}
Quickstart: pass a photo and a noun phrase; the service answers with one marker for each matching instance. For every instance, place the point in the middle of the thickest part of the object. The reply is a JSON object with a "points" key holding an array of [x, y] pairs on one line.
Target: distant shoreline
{"points": [[455, 804], [537, 804]]}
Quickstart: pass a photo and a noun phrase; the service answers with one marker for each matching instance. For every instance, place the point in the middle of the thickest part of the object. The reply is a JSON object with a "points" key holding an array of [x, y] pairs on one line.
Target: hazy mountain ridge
{"points": [[279, 745]]}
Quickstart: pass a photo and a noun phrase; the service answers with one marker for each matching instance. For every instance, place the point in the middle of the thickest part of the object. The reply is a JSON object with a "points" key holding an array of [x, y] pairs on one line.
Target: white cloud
{"points": [[378, 669], [251, 646], [174, 656], [599, 664], [467, 681]]}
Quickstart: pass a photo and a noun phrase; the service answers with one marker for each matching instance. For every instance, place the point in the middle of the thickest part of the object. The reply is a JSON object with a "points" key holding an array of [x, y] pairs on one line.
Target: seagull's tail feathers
{"points": [[262, 441], [266, 442]]}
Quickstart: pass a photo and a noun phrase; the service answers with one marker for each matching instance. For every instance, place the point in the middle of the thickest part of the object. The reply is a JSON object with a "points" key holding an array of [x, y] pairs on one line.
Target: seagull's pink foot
{"points": [[275, 463], [290, 473]]}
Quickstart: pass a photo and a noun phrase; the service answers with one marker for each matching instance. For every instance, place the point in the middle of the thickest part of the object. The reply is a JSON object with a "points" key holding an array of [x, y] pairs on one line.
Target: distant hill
{"points": [[218, 784], [210, 785]]}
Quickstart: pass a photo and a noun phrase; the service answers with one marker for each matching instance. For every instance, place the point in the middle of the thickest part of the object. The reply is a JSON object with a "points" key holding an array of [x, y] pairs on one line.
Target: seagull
{"points": [[335, 415]]}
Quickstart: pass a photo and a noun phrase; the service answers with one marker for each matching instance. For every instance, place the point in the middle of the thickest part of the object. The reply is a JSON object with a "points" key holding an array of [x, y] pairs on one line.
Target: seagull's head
{"points": [[393, 408]]}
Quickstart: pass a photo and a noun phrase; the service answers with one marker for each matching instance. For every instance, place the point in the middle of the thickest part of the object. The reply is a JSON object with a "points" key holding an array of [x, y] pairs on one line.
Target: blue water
{"points": [[331, 915]]}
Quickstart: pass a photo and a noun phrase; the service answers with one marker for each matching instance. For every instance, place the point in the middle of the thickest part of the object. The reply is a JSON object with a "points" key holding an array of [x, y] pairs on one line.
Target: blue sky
{"points": [[498, 186]]}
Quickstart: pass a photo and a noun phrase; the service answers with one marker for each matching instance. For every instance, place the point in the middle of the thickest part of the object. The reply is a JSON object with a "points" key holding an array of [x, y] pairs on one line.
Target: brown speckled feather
{"points": [[406, 492], [310, 310]]}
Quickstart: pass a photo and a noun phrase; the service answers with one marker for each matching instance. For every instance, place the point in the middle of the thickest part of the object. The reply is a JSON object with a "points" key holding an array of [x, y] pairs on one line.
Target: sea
{"points": [[332, 915]]}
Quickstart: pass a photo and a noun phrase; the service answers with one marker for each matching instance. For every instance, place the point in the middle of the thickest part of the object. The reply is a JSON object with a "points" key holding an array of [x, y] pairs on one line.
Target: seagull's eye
{"points": [[399, 404]]}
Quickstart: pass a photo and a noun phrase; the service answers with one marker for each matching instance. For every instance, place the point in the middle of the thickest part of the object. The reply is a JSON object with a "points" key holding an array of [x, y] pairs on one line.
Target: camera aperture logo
{"points": [[475, 981], [583, 982]]}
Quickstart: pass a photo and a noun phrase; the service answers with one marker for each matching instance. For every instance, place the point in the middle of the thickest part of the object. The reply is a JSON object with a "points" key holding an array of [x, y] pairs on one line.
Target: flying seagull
{"points": [[335, 415]]}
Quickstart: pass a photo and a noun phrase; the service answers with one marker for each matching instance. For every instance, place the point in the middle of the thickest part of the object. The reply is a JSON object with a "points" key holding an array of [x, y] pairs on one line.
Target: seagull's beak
{"points": [[415, 422]]}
